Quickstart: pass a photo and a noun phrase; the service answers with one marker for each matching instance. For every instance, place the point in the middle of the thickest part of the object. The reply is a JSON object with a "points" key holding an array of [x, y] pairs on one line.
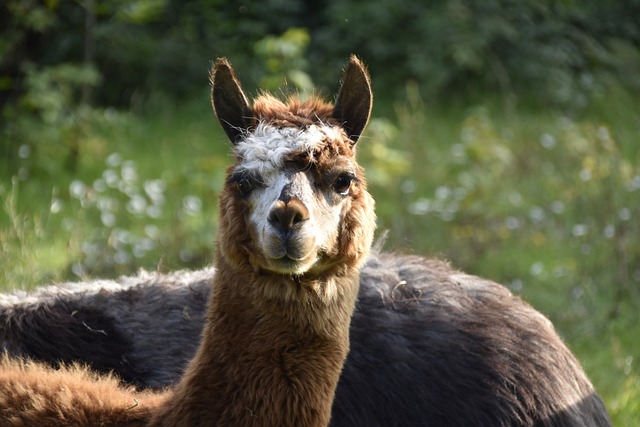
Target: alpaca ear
{"points": [[229, 102], [353, 103]]}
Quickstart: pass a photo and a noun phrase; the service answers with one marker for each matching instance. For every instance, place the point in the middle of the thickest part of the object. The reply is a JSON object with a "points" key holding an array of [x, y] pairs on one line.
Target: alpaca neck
{"points": [[266, 362]]}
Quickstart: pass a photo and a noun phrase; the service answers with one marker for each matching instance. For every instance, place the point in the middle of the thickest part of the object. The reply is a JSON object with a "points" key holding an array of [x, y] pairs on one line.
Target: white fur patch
{"points": [[265, 149]]}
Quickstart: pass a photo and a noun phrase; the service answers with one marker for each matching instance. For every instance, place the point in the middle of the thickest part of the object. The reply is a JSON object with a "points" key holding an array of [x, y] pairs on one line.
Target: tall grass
{"points": [[545, 202]]}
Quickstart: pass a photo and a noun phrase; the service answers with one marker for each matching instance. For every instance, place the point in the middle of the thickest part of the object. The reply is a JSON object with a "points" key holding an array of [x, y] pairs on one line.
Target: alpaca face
{"points": [[295, 192], [295, 202]]}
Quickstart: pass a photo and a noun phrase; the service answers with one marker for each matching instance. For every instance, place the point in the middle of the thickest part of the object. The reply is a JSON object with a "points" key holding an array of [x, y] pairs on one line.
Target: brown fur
{"points": [[34, 395], [292, 112], [273, 346]]}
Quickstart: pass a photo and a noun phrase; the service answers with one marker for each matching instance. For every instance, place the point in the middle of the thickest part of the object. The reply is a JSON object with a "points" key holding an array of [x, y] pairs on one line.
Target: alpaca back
{"points": [[112, 325], [450, 349]]}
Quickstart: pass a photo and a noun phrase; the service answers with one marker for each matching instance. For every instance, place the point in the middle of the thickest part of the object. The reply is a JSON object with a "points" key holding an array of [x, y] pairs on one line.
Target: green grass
{"points": [[544, 202]]}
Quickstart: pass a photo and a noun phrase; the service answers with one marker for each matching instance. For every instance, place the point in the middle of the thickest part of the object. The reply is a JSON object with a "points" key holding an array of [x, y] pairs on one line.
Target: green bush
{"points": [[546, 48], [558, 52]]}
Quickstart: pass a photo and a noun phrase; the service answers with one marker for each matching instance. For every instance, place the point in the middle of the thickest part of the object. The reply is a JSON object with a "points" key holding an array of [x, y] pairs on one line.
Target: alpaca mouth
{"points": [[289, 254], [290, 265], [287, 263]]}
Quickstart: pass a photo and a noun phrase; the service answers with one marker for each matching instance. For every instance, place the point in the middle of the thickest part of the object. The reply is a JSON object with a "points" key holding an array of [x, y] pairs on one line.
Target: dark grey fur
{"points": [[145, 327], [430, 346]]}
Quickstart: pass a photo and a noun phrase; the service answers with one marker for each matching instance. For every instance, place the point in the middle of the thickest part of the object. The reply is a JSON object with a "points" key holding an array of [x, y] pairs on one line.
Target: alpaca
{"points": [[296, 225], [429, 345]]}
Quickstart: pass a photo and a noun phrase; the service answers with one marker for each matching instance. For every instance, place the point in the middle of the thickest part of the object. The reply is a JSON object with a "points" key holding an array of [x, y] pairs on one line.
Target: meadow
{"points": [[545, 202]]}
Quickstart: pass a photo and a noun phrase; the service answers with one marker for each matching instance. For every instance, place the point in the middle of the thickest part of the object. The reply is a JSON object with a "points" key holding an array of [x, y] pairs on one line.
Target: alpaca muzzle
{"points": [[289, 248], [288, 215]]}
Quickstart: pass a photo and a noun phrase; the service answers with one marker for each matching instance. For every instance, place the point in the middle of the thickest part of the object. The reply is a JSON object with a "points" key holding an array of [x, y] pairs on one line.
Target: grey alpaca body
{"points": [[429, 345], [144, 327]]}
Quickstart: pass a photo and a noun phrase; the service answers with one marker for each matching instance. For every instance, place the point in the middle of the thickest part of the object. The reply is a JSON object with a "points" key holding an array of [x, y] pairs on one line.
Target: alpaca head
{"points": [[295, 202]]}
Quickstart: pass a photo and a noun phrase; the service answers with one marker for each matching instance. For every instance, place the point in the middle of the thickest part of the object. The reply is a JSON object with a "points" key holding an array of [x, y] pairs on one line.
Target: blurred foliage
{"points": [[48, 120], [111, 216], [557, 51], [285, 61], [80, 57], [565, 194]]}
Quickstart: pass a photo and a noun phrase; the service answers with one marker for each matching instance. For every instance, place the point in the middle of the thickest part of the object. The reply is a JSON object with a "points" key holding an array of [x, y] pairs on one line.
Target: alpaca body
{"points": [[423, 344], [145, 327]]}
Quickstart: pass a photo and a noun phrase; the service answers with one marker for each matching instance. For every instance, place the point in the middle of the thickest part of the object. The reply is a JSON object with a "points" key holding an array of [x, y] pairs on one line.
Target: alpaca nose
{"points": [[285, 215]]}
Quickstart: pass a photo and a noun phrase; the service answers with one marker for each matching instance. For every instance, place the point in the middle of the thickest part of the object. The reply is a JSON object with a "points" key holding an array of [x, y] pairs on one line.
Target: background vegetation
{"points": [[504, 138]]}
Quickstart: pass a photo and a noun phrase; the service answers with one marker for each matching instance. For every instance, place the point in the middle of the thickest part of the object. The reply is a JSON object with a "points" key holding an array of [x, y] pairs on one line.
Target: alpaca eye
{"points": [[342, 184], [245, 186]]}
